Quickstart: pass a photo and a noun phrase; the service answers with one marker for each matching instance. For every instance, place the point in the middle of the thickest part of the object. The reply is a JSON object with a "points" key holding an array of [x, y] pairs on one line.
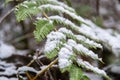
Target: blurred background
{"points": [[17, 43]]}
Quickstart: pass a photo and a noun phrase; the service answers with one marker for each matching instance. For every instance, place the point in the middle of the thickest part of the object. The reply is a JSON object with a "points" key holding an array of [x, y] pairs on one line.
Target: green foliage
{"points": [[77, 74], [68, 41], [43, 27], [26, 9]]}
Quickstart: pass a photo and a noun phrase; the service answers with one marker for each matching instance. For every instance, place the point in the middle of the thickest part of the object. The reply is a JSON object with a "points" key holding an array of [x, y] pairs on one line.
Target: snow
{"points": [[83, 29], [56, 2], [61, 9], [25, 68], [88, 31], [80, 37], [71, 42], [9, 69], [53, 40], [109, 41], [88, 66], [65, 30], [64, 56], [85, 51], [51, 45], [63, 63], [64, 20], [65, 53], [5, 78], [6, 50], [56, 36]]}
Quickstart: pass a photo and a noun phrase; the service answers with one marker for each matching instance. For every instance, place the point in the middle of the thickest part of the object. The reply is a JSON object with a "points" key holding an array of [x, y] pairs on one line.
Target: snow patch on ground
{"points": [[6, 50]]}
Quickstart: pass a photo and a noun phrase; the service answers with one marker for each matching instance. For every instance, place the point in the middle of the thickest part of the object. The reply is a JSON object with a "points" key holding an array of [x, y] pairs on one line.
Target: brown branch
{"points": [[45, 69], [29, 77]]}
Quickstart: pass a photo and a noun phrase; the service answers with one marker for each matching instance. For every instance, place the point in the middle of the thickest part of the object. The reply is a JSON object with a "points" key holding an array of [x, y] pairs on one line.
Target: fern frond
{"points": [[69, 24], [43, 27], [64, 43], [80, 39], [51, 7], [88, 66], [54, 43], [57, 3], [77, 74], [64, 58], [26, 9], [83, 50]]}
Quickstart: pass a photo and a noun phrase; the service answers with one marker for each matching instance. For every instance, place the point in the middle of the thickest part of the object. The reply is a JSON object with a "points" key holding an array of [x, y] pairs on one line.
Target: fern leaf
{"points": [[69, 24], [57, 3], [75, 73], [64, 60], [80, 39], [82, 50], [88, 66], [51, 7], [54, 43], [26, 9], [43, 27]]}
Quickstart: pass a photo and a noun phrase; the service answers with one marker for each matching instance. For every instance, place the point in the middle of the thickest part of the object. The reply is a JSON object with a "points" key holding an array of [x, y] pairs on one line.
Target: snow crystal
{"points": [[25, 68]]}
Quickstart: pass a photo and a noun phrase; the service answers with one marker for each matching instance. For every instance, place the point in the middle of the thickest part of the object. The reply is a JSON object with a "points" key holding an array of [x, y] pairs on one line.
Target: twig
{"points": [[30, 62], [34, 59], [28, 76], [45, 69], [6, 15], [51, 77]]}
